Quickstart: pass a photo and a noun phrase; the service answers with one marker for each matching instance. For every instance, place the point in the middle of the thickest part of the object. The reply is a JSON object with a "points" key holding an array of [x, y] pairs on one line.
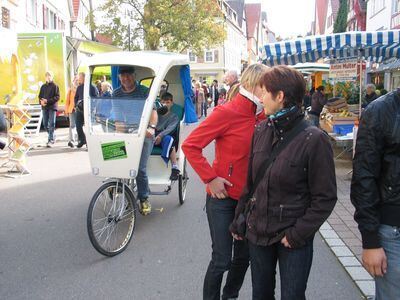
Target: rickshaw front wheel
{"points": [[182, 183], [111, 218]]}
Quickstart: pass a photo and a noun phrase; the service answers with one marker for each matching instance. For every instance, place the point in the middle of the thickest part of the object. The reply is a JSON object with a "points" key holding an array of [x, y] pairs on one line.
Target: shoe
{"points": [[51, 142], [70, 144], [48, 145], [174, 174], [80, 144], [144, 207]]}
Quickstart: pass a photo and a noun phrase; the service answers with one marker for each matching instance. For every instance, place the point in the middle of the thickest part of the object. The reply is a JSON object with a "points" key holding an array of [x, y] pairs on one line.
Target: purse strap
{"points": [[303, 124]]}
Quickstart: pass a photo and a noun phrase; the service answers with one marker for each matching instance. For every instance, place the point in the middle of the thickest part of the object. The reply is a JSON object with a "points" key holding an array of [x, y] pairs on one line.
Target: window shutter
{"points": [[215, 56], [44, 17]]}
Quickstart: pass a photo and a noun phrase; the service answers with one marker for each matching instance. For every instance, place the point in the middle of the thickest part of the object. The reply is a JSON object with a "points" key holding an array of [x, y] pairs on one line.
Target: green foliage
{"points": [[349, 90], [175, 25], [341, 19]]}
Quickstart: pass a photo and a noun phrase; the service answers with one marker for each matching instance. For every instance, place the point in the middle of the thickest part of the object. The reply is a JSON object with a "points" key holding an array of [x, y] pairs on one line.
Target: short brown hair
{"points": [[290, 81]]}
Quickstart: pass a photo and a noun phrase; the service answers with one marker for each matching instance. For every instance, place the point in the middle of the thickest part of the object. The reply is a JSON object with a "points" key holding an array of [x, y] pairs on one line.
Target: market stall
{"points": [[373, 46], [355, 47], [17, 115]]}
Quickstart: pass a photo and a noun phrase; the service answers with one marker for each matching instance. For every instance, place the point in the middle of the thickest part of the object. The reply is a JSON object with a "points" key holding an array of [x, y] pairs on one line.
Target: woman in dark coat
{"points": [[296, 194]]}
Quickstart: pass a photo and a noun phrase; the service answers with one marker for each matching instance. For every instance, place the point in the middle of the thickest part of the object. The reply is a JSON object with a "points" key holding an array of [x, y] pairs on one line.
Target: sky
{"points": [[288, 18]]}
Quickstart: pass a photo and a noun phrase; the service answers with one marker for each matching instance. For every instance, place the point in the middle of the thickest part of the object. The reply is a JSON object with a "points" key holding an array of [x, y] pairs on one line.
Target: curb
{"points": [[349, 261]]}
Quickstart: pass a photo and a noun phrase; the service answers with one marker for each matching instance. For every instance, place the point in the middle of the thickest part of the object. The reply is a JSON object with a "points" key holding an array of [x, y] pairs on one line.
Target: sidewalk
{"points": [[38, 145], [341, 232]]}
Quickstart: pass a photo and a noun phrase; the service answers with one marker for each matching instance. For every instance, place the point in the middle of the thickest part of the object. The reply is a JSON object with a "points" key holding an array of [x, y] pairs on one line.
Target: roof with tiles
{"points": [[253, 11], [75, 4], [238, 6], [321, 11]]}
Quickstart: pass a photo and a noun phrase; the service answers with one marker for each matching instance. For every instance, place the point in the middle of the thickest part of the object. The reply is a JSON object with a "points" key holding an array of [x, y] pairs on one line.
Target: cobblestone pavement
{"points": [[341, 232]]}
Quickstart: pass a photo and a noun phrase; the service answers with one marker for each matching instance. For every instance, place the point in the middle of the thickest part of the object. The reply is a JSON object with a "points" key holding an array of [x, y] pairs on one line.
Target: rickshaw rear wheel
{"points": [[182, 183], [111, 218]]}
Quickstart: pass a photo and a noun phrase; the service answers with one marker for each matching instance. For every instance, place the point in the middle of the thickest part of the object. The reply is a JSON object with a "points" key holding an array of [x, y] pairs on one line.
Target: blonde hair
{"points": [[105, 86], [251, 77]]}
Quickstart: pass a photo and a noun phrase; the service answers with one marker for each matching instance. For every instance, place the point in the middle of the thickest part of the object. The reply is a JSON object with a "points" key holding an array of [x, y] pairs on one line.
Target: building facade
{"points": [[379, 15], [395, 17], [357, 15], [213, 63], [36, 15], [331, 14], [384, 15]]}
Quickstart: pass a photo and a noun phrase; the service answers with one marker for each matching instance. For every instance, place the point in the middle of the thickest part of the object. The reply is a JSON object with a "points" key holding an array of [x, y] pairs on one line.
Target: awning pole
{"points": [[360, 98]]}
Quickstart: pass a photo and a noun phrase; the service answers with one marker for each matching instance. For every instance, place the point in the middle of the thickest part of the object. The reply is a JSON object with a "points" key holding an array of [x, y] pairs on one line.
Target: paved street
{"points": [[45, 252]]}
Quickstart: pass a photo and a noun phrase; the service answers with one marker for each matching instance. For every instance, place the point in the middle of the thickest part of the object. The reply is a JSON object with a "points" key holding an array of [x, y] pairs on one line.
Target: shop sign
{"points": [[344, 70]]}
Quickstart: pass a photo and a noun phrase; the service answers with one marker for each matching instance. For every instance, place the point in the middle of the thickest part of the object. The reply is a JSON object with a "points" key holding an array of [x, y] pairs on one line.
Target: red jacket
{"points": [[231, 126]]}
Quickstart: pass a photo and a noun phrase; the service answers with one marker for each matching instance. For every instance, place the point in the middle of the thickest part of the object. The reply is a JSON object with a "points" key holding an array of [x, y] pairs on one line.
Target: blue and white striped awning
{"points": [[375, 46]]}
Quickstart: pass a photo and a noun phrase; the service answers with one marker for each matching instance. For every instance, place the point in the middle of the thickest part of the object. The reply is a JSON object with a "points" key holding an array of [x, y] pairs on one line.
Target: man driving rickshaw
{"points": [[121, 131]]}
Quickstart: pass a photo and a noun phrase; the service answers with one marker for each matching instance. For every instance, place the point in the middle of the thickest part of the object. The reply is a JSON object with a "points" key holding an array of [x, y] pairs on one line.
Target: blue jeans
{"points": [[220, 214], [142, 180], [388, 286], [204, 106], [49, 122], [294, 268], [72, 126]]}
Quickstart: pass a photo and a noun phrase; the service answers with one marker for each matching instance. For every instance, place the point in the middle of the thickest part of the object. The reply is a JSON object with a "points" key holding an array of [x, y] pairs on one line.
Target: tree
{"points": [[176, 25], [341, 18]]}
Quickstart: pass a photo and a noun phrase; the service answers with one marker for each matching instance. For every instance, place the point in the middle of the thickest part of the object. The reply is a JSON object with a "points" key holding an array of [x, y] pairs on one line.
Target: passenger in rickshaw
{"points": [[130, 88], [166, 128]]}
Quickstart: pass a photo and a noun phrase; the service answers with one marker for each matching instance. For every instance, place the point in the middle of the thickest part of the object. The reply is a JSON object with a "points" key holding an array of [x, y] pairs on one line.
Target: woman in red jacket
{"points": [[231, 126]]}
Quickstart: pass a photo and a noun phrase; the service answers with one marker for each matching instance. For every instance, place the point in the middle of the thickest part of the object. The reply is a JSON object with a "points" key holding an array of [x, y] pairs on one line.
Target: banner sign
{"points": [[345, 70]]}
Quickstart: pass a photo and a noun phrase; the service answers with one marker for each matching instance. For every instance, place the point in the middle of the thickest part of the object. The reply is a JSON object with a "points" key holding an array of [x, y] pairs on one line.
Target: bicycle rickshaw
{"points": [[116, 128]]}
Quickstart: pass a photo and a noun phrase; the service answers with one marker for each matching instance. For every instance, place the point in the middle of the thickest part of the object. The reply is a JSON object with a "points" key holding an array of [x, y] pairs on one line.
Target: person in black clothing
{"points": [[318, 100], [370, 94], [3, 122], [375, 192], [3, 127], [79, 107], [48, 98], [214, 94]]}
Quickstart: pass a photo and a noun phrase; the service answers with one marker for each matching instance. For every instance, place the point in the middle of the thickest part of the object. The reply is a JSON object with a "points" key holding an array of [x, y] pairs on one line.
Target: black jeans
{"points": [[79, 127], [294, 268], [220, 214]]}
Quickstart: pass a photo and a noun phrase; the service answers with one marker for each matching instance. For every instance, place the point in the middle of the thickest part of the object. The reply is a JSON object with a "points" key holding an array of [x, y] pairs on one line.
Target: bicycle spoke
{"points": [[112, 219]]}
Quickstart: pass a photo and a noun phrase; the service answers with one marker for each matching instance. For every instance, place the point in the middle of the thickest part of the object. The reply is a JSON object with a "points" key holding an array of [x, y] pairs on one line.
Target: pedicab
{"points": [[115, 132]]}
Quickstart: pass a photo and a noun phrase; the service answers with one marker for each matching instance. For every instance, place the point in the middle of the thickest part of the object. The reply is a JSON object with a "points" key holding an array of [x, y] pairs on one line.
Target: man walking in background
{"points": [[318, 100], [231, 78], [48, 98], [79, 107], [214, 94]]}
